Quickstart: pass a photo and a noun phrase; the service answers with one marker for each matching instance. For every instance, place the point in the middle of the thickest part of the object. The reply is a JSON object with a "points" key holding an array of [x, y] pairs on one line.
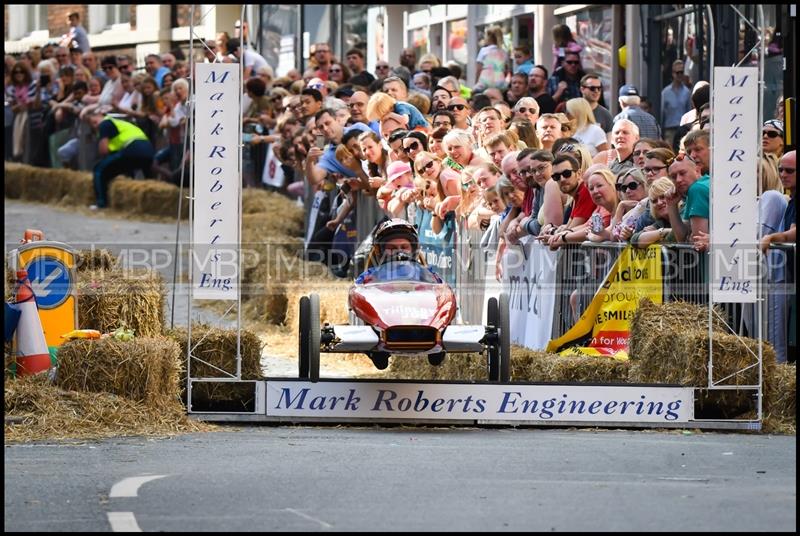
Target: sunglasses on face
{"points": [[524, 110], [108, 67], [567, 173], [787, 170], [770, 133], [653, 170], [627, 187], [413, 147], [425, 168], [459, 107], [381, 67], [640, 152], [334, 70], [677, 72], [593, 88]]}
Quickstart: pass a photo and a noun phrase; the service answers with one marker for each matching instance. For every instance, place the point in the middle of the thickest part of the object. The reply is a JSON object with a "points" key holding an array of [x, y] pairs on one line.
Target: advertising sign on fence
{"points": [[215, 247], [544, 403], [529, 277], [736, 138], [635, 275]]}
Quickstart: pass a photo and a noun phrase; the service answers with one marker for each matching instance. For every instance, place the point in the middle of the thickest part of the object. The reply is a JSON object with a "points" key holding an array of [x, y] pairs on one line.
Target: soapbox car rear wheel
{"points": [[499, 352], [309, 347]]}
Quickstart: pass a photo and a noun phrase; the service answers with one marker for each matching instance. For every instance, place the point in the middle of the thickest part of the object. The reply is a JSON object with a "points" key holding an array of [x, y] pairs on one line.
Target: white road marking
{"points": [[306, 516], [129, 487], [123, 522]]}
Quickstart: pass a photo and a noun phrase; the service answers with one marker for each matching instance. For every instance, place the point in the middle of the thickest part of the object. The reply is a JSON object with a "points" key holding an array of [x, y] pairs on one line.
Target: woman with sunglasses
{"points": [[772, 137], [642, 147], [527, 108], [339, 73], [632, 191], [414, 143], [471, 198], [430, 166]]}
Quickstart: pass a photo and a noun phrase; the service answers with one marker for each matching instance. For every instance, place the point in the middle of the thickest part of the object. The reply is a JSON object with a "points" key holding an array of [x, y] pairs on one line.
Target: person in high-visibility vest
{"points": [[124, 148]]}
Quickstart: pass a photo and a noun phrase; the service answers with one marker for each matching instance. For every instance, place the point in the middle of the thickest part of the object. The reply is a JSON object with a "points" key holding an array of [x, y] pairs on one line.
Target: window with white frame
{"points": [[109, 17], [27, 20]]}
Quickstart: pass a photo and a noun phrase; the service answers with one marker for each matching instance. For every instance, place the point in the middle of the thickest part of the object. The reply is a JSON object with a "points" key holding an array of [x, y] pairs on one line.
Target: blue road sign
{"points": [[51, 281]]}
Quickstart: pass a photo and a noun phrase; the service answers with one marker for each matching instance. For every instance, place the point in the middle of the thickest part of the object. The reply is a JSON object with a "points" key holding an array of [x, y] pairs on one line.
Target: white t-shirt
{"points": [[254, 59], [591, 136]]}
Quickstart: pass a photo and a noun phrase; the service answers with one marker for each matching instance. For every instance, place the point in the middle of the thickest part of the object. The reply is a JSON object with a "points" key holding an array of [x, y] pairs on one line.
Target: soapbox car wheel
{"points": [[499, 351], [436, 359], [309, 338]]}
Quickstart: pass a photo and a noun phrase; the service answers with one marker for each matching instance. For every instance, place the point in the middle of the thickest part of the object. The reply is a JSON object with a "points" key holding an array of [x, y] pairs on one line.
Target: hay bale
{"points": [[332, 300], [217, 348], [780, 399], [111, 299], [534, 366], [146, 369], [144, 196], [455, 367], [95, 259], [282, 212], [13, 180], [653, 323], [50, 413], [78, 189]]}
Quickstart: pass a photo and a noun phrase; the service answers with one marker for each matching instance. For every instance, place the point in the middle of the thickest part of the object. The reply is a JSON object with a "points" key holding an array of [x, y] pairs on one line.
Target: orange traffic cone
{"points": [[33, 356]]}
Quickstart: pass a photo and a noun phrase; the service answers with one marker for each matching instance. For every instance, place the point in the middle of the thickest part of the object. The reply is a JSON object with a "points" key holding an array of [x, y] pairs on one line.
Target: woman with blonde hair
{"points": [[526, 132], [428, 62], [602, 188], [527, 108], [429, 166], [586, 129], [659, 193]]}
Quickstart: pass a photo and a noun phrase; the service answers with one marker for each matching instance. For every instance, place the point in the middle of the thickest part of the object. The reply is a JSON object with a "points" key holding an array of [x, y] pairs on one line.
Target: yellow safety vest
{"points": [[127, 134]]}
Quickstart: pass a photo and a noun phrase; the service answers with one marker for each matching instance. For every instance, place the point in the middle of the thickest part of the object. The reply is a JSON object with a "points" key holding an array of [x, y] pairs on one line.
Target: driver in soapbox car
{"points": [[406, 310]]}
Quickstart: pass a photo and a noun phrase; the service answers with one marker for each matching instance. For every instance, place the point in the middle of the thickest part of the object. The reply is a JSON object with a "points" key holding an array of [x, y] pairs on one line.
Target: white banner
{"points": [[485, 402], [217, 181], [273, 172], [736, 138], [529, 277]]}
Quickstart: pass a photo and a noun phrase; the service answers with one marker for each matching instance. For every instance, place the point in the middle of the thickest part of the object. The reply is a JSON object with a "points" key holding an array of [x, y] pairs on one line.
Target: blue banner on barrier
{"points": [[437, 248]]}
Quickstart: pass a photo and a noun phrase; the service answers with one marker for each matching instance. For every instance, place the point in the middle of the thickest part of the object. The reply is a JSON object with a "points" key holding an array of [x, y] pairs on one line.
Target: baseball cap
{"points": [[315, 83], [396, 169], [628, 90]]}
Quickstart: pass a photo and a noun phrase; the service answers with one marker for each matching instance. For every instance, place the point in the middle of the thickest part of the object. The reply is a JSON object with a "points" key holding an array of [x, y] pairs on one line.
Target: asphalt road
{"points": [[263, 478]]}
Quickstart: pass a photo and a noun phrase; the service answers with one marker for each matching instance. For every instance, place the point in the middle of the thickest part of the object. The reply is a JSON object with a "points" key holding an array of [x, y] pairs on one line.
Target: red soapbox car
{"points": [[406, 311]]}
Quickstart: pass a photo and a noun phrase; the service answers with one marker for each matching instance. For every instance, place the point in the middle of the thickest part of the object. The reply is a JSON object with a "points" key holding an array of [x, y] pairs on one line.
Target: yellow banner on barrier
{"points": [[635, 275]]}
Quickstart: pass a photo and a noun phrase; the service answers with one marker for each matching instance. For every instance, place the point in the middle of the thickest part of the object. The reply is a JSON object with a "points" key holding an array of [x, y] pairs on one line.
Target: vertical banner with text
{"points": [[736, 139], [217, 181]]}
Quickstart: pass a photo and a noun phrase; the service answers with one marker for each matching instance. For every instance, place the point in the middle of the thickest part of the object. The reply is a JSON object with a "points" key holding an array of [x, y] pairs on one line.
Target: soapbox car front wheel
{"points": [[499, 351], [309, 335]]}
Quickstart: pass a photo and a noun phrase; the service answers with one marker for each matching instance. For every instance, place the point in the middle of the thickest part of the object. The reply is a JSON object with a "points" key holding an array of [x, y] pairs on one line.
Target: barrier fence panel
{"points": [[470, 263]]}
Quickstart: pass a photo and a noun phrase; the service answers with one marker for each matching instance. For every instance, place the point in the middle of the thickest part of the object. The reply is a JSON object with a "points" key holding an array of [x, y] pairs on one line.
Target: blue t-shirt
{"points": [[697, 199], [415, 117], [328, 160], [790, 215]]}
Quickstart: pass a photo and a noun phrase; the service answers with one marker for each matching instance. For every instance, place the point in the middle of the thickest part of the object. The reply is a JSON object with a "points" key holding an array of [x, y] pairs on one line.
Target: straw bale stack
{"points": [[652, 323], [533, 366], [145, 197], [780, 399], [48, 412], [332, 300], [217, 347], [110, 299], [95, 259], [455, 367], [526, 366], [47, 185], [146, 369], [288, 218]]}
